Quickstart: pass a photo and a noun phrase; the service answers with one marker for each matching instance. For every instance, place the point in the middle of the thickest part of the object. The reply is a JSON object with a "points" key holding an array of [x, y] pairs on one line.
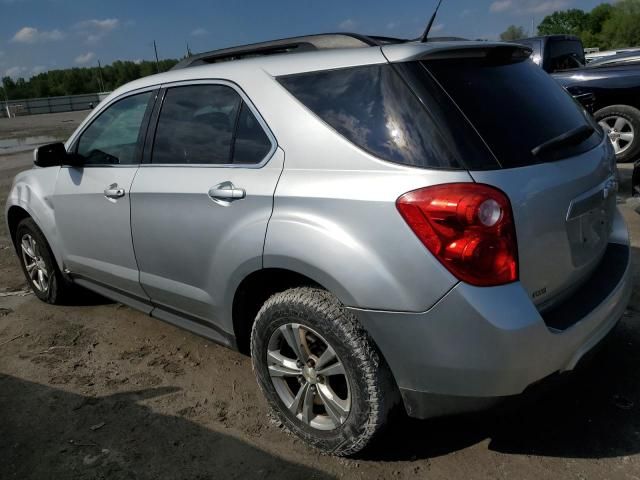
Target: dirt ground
{"points": [[101, 391]]}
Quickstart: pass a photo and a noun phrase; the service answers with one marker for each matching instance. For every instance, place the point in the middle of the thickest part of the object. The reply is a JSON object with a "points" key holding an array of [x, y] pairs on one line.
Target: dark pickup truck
{"points": [[611, 92]]}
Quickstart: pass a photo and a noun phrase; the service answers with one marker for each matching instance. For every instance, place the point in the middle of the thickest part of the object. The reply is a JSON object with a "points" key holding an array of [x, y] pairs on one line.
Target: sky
{"points": [[40, 35]]}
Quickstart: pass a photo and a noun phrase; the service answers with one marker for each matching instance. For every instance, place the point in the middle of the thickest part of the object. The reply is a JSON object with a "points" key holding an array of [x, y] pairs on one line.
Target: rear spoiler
{"points": [[410, 52]]}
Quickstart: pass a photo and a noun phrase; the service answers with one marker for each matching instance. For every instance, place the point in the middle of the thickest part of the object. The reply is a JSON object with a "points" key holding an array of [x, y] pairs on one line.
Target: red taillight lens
{"points": [[468, 227]]}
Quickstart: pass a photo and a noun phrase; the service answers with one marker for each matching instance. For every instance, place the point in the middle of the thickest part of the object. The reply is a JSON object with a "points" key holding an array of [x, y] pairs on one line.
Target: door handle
{"points": [[113, 191], [226, 192]]}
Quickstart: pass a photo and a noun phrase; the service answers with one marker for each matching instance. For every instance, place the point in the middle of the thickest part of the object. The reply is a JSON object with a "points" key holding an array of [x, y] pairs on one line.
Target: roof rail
{"points": [[287, 45]]}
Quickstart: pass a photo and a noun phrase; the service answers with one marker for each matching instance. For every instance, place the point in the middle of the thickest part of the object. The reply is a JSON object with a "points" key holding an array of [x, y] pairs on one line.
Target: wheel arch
{"points": [[254, 290], [615, 99], [15, 214]]}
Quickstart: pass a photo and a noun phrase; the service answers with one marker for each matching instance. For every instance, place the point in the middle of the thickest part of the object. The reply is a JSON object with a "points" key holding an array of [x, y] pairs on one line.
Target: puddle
{"points": [[23, 144]]}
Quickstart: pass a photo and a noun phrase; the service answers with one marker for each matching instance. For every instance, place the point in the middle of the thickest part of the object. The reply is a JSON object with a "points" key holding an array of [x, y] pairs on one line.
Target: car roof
{"points": [[313, 60]]}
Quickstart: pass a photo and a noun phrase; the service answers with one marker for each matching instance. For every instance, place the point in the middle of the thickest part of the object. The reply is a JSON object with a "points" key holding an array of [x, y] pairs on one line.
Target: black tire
{"points": [[632, 116], [58, 288], [373, 391]]}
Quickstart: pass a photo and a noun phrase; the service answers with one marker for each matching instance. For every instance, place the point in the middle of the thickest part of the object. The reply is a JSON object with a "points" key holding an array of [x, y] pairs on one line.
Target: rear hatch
{"points": [[552, 162]]}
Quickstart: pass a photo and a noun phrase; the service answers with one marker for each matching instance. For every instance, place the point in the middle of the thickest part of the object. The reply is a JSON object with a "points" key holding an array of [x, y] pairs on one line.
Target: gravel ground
{"points": [[102, 391]]}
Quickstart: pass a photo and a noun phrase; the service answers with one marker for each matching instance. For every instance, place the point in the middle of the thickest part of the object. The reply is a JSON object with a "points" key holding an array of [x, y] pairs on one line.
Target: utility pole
{"points": [[100, 77], [6, 100], [188, 50], [533, 33], [155, 49]]}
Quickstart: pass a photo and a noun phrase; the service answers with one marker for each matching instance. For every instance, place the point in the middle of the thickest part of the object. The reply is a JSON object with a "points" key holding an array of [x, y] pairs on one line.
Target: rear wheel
{"points": [[38, 264], [622, 125], [320, 372]]}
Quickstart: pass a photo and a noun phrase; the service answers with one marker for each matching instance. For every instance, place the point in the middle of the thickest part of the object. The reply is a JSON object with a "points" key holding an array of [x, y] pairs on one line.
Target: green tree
{"points": [[568, 22], [622, 29], [598, 16], [513, 33], [74, 81]]}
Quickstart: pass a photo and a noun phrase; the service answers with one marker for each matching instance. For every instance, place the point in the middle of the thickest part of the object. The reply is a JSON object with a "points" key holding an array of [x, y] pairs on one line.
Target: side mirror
{"points": [[55, 155], [51, 155]]}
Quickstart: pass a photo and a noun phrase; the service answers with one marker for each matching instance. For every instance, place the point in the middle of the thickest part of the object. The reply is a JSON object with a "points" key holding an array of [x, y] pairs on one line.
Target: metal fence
{"points": [[33, 106]]}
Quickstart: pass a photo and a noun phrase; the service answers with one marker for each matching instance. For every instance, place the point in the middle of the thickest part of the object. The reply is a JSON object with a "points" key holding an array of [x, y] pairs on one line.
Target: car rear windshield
{"points": [[515, 106], [565, 54], [373, 107]]}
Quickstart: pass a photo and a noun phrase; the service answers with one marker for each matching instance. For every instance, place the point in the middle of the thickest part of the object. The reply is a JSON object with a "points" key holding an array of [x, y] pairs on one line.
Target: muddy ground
{"points": [[101, 391]]}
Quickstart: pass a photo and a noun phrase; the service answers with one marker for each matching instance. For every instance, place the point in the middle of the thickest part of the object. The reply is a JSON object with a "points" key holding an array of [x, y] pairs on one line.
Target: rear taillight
{"points": [[468, 227]]}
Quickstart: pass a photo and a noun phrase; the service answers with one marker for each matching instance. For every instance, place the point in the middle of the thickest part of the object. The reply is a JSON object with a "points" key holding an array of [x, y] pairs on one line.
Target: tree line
{"points": [[77, 81], [607, 26]]}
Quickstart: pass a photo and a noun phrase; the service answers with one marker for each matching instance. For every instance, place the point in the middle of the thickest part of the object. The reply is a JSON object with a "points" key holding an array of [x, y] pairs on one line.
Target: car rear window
{"points": [[515, 106], [374, 108], [565, 54]]}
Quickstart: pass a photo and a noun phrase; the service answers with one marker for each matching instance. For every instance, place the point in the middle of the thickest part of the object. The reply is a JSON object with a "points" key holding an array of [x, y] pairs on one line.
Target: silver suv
{"points": [[424, 225]]}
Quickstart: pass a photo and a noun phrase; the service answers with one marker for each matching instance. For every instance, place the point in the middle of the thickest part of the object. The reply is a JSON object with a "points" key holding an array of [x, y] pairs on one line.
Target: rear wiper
{"points": [[572, 137]]}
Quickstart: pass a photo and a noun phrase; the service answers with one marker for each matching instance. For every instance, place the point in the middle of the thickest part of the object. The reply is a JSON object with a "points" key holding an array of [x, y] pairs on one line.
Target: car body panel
{"points": [[32, 191], [371, 258], [186, 263], [556, 250], [97, 246], [486, 342], [610, 85]]}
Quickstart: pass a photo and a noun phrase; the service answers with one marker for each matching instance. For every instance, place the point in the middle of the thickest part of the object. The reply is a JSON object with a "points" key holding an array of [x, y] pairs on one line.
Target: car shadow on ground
{"points": [[50, 433], [591, 413]]}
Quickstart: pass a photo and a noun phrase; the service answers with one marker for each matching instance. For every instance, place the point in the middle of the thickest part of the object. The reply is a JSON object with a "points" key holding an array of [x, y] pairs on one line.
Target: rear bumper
{"points": [[478, 345]]}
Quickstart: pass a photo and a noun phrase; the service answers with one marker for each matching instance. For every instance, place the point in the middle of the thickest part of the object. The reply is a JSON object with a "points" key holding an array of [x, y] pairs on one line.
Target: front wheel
{"points": [[320, 372], [622, 124], [39, 265]]}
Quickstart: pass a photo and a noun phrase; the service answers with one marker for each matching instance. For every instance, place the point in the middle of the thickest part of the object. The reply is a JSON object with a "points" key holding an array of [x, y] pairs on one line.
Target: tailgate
{"points": [[561, 186], [563, 212]]}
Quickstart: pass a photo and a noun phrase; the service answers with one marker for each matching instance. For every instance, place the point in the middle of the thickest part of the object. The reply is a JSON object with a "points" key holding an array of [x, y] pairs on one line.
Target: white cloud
{"points": [[549, 6], [438, 27], [38, 69], [95, 30], [466, 12], [347, 24], [105, 25], [84, 58], [32, 35], [500, 6], [528, 6], [15, 72], [199, 32], [392, 25]]}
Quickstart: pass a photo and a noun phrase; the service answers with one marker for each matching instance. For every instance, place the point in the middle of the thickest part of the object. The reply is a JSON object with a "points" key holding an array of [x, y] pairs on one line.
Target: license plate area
{"points": [[589, 222]]}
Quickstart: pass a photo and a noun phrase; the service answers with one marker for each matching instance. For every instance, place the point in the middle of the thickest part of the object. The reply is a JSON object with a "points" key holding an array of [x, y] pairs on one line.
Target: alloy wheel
{"points": [[34, 263], [620, 131], [308, 376]]}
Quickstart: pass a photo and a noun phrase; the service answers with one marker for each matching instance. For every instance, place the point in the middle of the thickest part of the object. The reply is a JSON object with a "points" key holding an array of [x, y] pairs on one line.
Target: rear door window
{"points": [[208, 124], [196, 125], [515, 106], [251, 143]]}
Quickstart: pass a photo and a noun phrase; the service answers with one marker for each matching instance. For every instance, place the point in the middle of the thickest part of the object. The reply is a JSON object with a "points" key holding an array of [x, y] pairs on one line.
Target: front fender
{"points": [[32, 191]]}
